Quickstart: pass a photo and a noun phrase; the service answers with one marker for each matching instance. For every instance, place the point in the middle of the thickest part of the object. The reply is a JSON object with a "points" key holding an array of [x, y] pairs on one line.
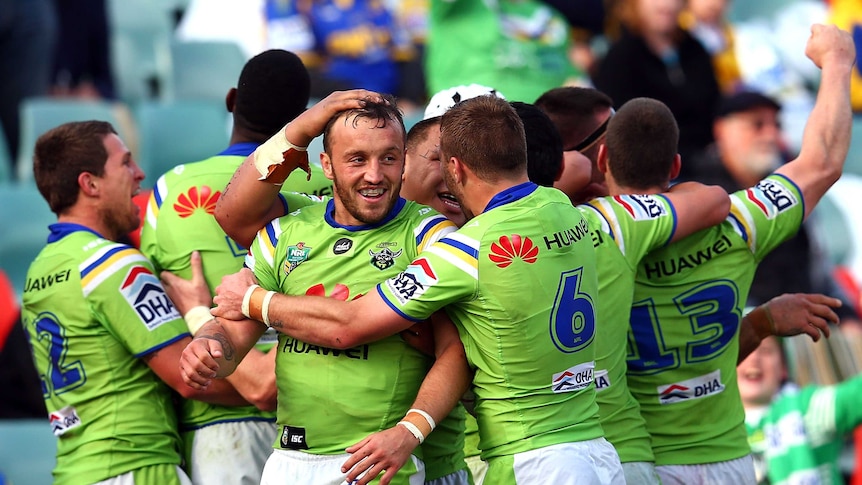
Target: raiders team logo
{"points": [[384, 258], [295, 256]]}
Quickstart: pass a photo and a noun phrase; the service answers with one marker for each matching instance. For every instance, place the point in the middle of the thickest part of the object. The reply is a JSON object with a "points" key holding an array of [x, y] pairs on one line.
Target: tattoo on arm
{"points": [[225, 344]]}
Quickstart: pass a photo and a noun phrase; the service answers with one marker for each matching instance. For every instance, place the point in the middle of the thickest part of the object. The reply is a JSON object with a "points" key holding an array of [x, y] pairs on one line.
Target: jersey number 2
{"points": [[573, 317], [63, 376]]}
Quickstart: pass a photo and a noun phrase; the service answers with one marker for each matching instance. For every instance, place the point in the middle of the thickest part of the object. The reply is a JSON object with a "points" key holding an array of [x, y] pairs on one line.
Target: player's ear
{"points": [[456, 169], [326, 165], [230, 100], [88, 184], [602, 159], [675, 167]]}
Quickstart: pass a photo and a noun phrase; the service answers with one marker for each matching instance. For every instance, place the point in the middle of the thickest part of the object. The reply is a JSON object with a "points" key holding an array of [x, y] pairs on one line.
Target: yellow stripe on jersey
{"points": [[743, 222], [157, 198], [432, 230], [610, 224], [105, 263], [460, 251], [268, 240]]}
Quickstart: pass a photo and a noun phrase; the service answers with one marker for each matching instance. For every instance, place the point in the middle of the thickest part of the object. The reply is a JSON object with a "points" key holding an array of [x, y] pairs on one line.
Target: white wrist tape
{"points": [[197, 317], [271, 154], [264, 309], [246, 298], [413, 430], [424, 415]]}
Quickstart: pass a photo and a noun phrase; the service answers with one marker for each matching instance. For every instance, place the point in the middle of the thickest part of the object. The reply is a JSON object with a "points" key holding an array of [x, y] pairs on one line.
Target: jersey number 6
{"points": [[573, 317]]}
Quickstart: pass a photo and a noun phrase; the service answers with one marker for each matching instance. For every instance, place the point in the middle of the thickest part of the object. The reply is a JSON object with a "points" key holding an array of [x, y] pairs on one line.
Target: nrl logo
{"points": [[383, 259], [295, 255]]}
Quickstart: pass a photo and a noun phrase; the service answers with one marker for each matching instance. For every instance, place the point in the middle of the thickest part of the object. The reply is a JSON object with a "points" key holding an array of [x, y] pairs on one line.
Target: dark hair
{"points": [[544, 145], [419, 132], [487, 135], [573, 111], [642, 143], [273, 89], [63, 153], [384, 112]]}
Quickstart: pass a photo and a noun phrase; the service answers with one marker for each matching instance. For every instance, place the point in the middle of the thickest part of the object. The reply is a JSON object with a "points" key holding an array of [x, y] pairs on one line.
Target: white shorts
{"points": [[289, 467], [478, 467], [163, 474], [641, 473], [596, 462], [233, 452], [461, 477], [738, 472]]}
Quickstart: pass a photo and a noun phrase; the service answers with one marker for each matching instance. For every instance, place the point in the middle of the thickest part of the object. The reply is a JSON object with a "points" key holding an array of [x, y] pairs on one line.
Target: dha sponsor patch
{"points": [[574, 378], [63, 420], [771, 197], [696, 388], [413, 281], [603, 381], [145, 295], [641, 207], [293, 438]]}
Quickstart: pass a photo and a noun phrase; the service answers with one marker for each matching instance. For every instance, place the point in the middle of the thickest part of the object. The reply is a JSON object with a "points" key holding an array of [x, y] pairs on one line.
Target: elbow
{"points": [[721, 207], [232, 227]]}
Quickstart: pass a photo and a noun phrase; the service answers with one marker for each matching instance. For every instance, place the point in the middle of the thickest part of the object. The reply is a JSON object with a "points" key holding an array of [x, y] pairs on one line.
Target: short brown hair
{"points": [[384, 113], [642, 143], [487, 135], [63, 153], [419, 132], [573, 111]]}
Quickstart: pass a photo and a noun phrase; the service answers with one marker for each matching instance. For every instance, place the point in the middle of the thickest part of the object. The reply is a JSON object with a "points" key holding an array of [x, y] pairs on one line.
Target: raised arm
{"points": [[826, 138], [250, 199], [697, 207]]}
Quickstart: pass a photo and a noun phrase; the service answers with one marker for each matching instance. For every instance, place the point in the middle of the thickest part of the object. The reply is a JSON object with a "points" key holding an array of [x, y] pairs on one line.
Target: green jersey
{"points": [[801, 434], [688, 305], [330, 399], [624, 229], [92, 309], [519, 48], [519, 282], [180, 220]]}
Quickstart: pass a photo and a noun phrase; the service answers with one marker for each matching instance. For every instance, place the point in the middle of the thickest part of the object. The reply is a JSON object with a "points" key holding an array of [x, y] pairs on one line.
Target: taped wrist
{"points": [[277, 157], [197, 317]]}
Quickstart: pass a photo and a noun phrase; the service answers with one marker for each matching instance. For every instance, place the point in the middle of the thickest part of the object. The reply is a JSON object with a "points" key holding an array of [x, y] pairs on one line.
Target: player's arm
{"points": [[826, 138], [254, 379], [251, 198], [317, 320], [440, 391], [217, 349], [697, 207], [785, 316]]}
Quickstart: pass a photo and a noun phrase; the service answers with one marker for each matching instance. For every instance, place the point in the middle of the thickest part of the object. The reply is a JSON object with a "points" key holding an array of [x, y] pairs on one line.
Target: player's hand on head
{"points": [[382, 452], [187, 294], [313, 121], [197, 362], [828, 43], [798, 313], [230, 292]]}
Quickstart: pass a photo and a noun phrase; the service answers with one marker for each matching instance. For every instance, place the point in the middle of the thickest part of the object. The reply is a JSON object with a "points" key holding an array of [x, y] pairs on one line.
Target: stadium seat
{"points": [[40, 114], [25, 216], [180, 131], [205, 70], [28, 451]]}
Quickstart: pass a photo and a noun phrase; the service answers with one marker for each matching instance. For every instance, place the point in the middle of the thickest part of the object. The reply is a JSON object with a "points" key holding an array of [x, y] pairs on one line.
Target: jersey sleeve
{"points": [[292, 201], [261, 256], [636, 223], [121, 288], [150, 246], [835, 409], [767, 214], [432, 229], [446, 272]]}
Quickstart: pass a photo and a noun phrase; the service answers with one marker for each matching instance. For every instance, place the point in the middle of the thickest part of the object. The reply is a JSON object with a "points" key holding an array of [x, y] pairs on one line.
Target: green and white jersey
{"points": [[180, 220], [330, 399], [92, 308], [624, 229], [801, 434], [443, 449], [688, 305], [519, 281]]}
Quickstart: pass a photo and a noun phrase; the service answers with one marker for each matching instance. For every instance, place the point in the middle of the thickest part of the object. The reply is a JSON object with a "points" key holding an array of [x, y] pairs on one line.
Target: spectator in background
{"points": [[82, 61], [706, 21], [748, 146], [847, 15], [28, 30], [657, 59], [345, 45], [519, 47]]}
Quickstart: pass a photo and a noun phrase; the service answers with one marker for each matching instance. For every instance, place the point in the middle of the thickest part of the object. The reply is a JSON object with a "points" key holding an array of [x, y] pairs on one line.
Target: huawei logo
{"points": [[509, 248], [196, 198]]}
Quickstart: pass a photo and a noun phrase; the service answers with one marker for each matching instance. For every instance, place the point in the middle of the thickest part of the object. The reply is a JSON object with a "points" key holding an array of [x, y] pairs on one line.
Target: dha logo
{"points": [[145, 295], [603, 381], [413, 281], [574, 378], [699, 387]]}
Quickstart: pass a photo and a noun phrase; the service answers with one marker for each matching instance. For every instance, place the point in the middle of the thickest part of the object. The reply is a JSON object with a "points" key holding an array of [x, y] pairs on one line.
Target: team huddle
{"points": [[442, 318]]}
